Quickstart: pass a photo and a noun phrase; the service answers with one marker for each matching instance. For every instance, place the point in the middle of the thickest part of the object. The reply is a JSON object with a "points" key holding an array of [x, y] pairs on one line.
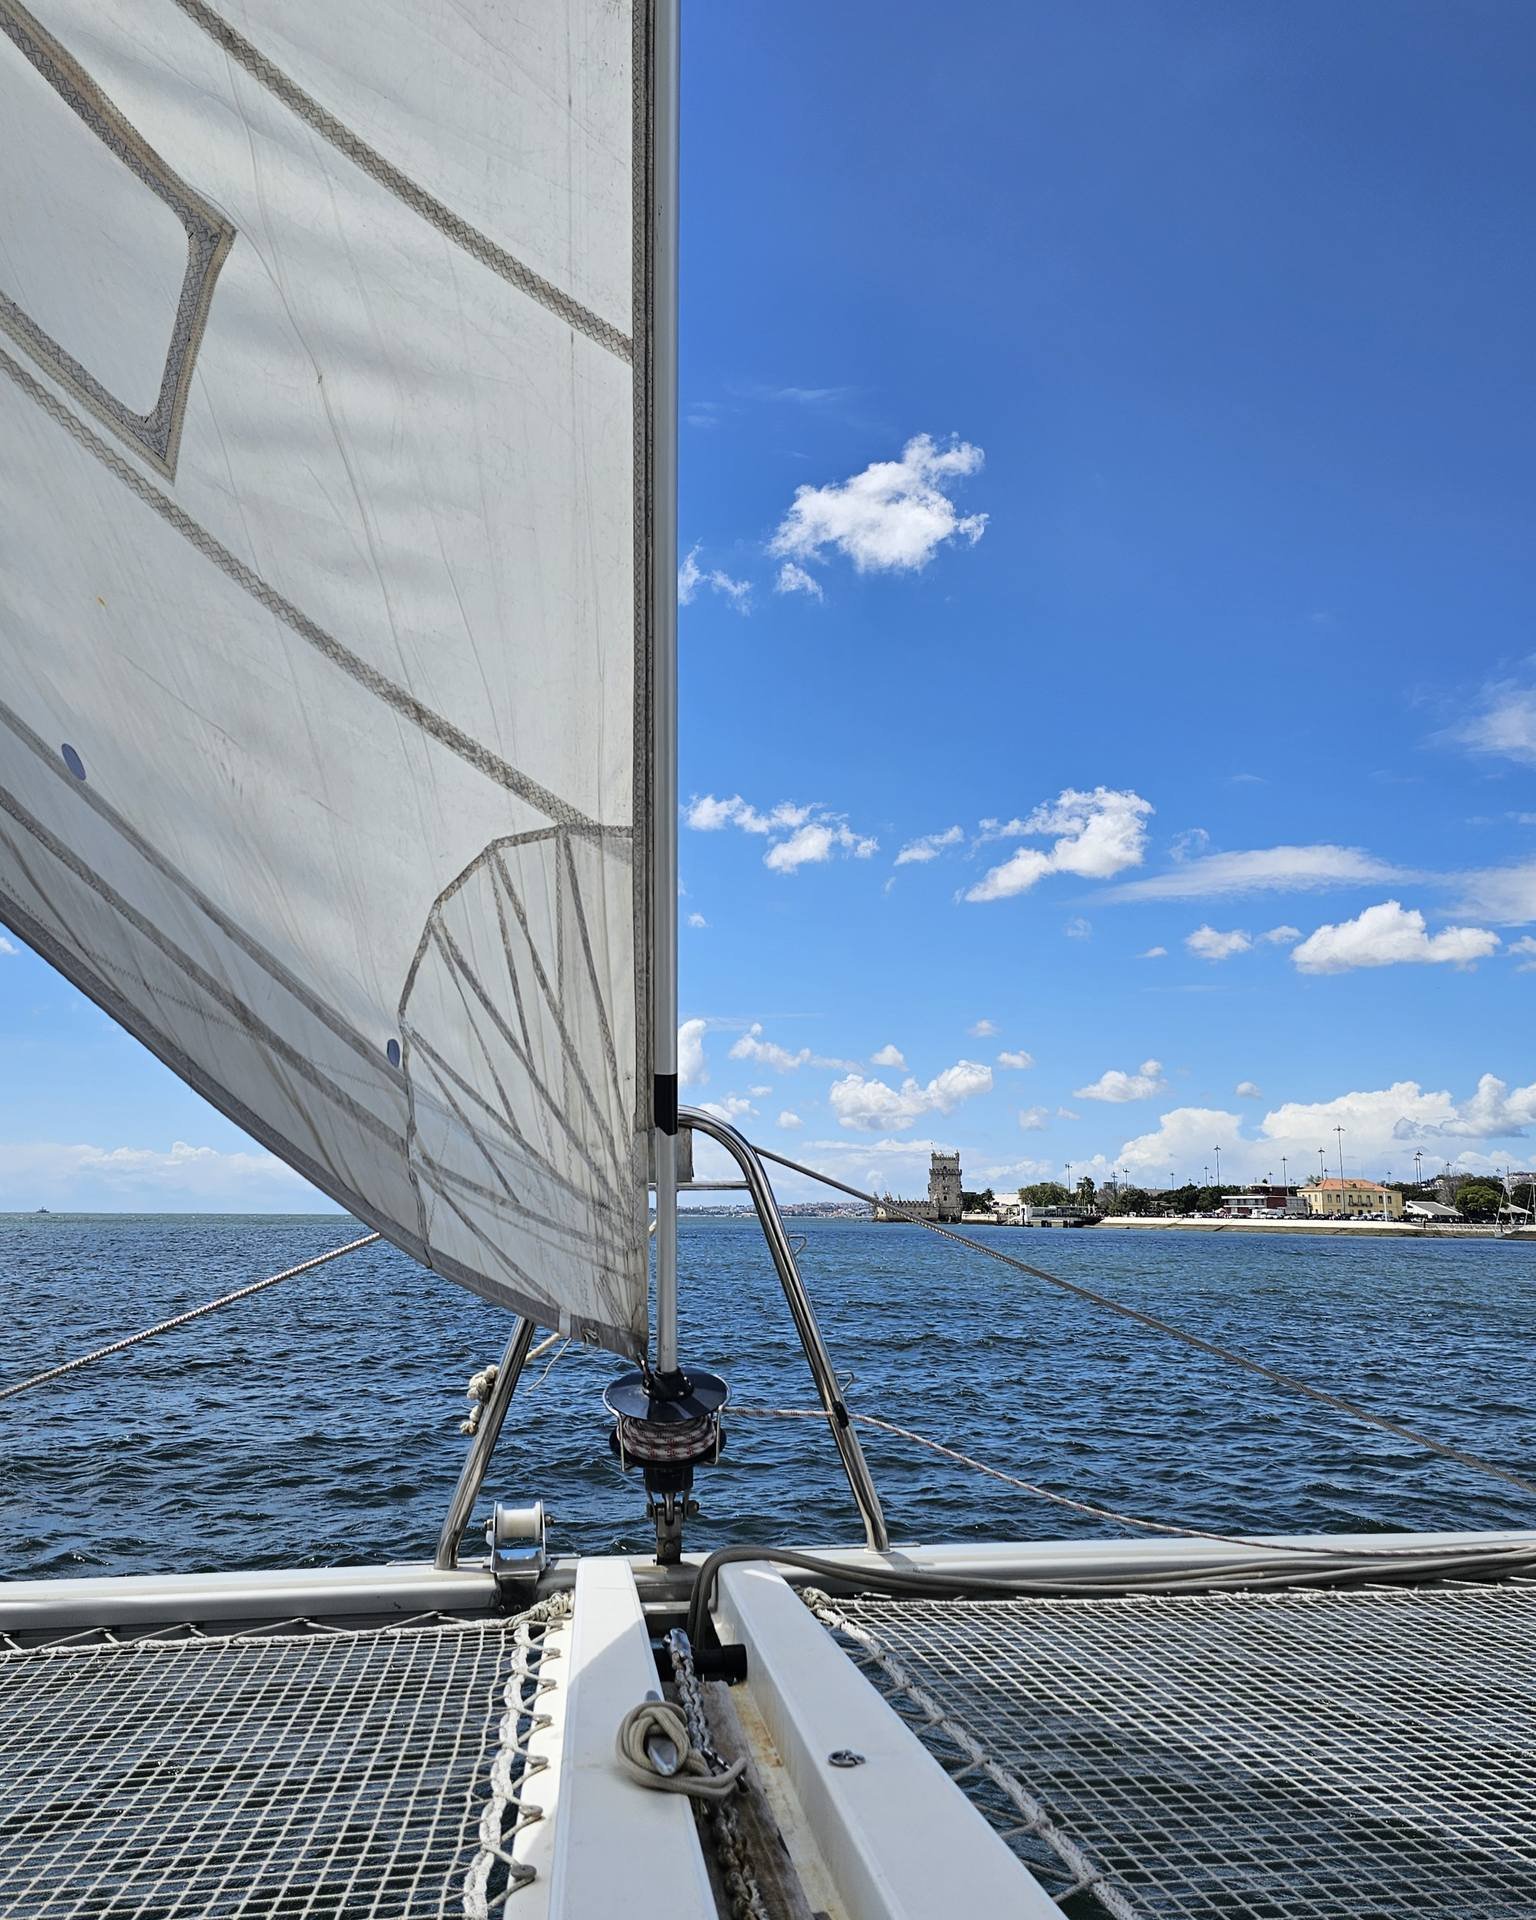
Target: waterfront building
{"points": [[1264, 1203], [943, 1204], [1352, 1200]]}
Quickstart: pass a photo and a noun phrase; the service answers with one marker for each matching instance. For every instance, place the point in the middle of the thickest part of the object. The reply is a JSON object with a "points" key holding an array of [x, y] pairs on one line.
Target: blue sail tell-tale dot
{"points": [[73, 761], [392, 1053]]}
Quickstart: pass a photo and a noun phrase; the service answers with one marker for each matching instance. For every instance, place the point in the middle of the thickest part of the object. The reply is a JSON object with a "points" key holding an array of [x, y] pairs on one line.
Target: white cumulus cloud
{"points": [[983, 1030], [1246, 1090], [870, 1106], [1206, 943], [1034, 1119], [697, 920], [7, 946], [1382, 1128], [1154, 953], [815, 842], [929, 846], [799, 835], [1098, 833], [1018, 1060], [892, 517], [1117, 1086], [1281, 936], [1390, 935], [889, 1055], [789, 1121], [692, 1067]]}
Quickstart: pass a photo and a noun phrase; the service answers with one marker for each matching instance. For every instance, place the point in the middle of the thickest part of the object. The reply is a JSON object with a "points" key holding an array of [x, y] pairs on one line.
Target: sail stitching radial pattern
{"points": [[157, 434]]}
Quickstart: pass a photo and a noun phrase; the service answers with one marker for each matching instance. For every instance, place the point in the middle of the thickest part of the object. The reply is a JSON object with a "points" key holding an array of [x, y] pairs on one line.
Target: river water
{"points": [[318, 1422]]}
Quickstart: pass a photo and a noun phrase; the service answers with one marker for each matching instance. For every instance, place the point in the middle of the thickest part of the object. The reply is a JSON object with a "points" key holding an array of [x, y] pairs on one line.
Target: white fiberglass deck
{"points": [[1284, 1756]]}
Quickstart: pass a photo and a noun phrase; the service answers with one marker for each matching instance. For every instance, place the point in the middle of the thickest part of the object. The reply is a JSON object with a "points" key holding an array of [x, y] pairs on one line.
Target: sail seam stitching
{"points": [[435, 725], [453, 226]]}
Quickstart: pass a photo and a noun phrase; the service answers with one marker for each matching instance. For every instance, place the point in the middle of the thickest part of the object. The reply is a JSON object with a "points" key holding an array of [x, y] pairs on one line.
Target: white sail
{"points": [[324, 712]]}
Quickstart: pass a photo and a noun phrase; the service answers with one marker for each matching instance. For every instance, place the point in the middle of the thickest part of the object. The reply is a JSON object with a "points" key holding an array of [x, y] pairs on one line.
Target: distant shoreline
{"points": [[1350, 1229]]}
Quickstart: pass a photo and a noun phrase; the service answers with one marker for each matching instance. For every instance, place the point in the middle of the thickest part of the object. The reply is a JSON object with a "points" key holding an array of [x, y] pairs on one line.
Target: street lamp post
{"points": [[1217, 1152], [1339, 1133]]}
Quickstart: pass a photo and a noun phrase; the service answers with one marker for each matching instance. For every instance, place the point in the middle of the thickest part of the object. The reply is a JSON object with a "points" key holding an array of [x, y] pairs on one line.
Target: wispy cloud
{"points": [[1504, 724], [891, 518], [1260, 870], [768, 1053], [1034, 1119], [1098, 833], [983, 1029], [176, 1176], [1017, 1061], [929, 846], [794, 579], [691, 576], [1390, 935], [7, 946]]}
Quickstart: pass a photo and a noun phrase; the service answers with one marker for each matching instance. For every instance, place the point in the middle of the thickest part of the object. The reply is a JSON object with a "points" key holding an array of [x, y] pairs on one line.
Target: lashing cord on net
{"points": [[181, 1319], [1288, 1380]]}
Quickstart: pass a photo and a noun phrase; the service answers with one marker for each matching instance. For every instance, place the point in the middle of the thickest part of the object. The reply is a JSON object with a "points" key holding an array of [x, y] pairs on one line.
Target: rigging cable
{"points": [[181, 1319], [1195, 1340], [1351, 1554]]}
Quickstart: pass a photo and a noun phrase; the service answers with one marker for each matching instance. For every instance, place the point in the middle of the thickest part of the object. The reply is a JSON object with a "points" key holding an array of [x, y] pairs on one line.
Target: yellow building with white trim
{"points": [[1352, 1200]]}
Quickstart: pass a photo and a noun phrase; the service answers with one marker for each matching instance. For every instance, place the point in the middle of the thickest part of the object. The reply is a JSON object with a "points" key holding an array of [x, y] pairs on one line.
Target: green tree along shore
{"points": [[1476, 1197]]}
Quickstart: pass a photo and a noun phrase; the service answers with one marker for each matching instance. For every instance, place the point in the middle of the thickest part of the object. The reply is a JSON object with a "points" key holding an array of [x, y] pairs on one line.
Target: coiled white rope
{"points": [[691, 1774], [182, 1319]]}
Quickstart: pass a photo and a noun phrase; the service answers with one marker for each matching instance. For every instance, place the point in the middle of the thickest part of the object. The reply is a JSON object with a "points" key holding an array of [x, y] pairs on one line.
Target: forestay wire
{"points": [[1195, 1340], [181, 1319]]}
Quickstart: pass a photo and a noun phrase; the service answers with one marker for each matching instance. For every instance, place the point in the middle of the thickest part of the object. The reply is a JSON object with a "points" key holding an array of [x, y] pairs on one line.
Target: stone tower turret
{"points": [[944, 1185]]}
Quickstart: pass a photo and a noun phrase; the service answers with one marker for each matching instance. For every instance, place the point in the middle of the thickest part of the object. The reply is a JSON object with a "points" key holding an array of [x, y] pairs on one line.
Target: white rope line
{"points": [[1036, 1820], [1065, 1500], [182, 1319], [514, 1764], [1288, 1380], [689, 1772]]}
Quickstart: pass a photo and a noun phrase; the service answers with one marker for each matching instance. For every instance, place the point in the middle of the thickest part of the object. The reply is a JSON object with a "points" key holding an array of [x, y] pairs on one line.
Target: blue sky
{"points": [[1112, 424]]}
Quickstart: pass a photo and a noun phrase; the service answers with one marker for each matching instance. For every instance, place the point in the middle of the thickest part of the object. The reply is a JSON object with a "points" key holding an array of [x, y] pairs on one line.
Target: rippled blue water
{"points": [[318, 1422]]}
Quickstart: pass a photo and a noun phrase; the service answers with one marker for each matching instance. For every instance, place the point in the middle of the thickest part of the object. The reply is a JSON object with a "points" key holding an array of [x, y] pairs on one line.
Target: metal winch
{"points": [[666, 1425]]}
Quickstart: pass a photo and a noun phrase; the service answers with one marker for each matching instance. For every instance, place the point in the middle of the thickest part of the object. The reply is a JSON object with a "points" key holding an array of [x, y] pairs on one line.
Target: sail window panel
{"points": [[92, 257], [517, 119]]}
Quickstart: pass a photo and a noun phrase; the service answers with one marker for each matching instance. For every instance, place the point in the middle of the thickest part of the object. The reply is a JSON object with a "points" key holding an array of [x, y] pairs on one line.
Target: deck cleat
{"points": [[667, 1424]]}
